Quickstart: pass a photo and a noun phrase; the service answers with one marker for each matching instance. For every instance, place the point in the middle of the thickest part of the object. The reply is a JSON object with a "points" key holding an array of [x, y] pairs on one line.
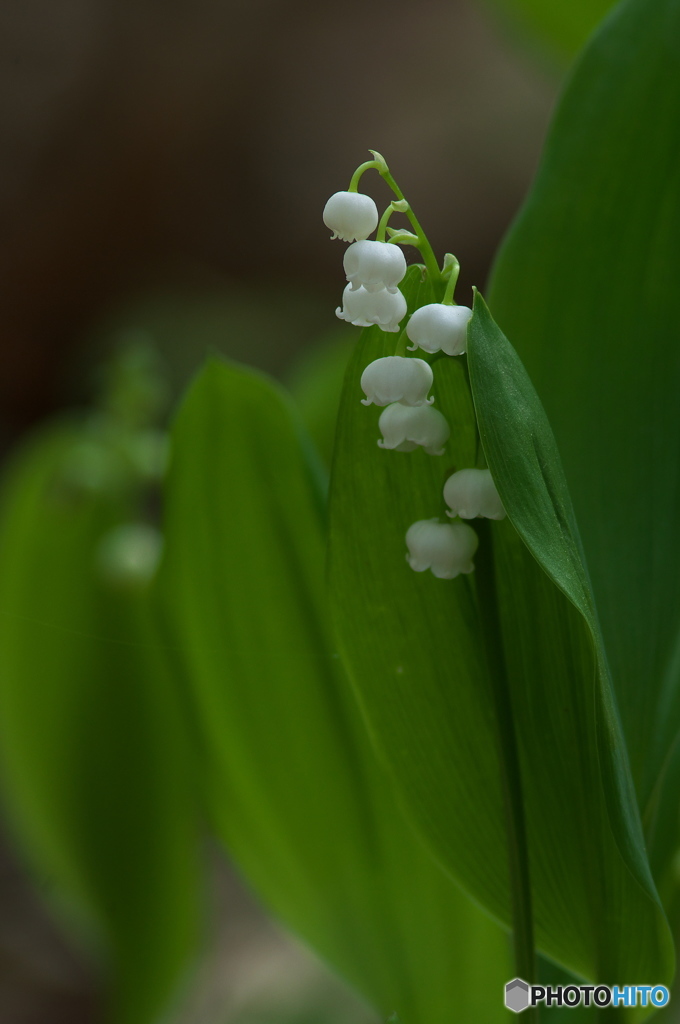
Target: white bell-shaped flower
{"points": [[405, 427], [350, 215], [374, 265], [444, 548], [397, 379], [439, 328], [364, 309], [470, 493]]}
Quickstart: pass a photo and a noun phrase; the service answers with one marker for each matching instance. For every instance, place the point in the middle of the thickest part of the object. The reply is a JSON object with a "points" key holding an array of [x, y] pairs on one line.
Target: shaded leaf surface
{"points": [[289, 778]]}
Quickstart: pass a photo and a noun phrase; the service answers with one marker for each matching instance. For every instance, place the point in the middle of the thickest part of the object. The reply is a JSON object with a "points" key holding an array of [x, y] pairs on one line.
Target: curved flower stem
{"points": [[451, 283], [379, 164], [384, 220], [511, 776], [423, 245], [368, 166]]}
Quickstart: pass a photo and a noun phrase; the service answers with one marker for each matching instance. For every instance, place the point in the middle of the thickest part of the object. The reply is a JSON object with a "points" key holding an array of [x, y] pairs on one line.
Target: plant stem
{"points": [[451, 284], [424, 246], [382, 226], [361, 169], [518, 853]]}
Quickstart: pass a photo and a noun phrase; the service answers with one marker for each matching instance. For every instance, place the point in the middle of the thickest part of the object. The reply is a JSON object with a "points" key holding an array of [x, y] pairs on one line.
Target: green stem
{"points": [[424, 246], [451, 284], [356, 177], [518, 853], [382, 226]]}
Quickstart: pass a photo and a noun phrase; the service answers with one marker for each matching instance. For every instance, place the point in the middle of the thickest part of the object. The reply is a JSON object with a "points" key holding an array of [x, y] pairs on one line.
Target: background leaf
{"points": [[315, 383], [594, 320], [94, 757], [289, 778], [562, 27]]}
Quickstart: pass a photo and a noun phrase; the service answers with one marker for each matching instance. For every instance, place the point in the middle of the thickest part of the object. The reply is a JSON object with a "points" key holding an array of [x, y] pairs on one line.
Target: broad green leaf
{"points": [[416, 652], [556, 662], [94, 758], [562, 27], [585, 288], [289, 777]]}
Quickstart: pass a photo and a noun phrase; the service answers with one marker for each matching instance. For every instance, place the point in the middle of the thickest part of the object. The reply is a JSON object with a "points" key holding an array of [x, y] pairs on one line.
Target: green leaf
{"points": [[550, 653], [316, 385], [415, 648], [290, 780], [585, 288], [93, 753], [563, 27]]}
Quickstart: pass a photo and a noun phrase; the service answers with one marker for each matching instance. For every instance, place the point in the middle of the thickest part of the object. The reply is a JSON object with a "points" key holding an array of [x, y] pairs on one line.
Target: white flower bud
{"points": [[437, 328], [397, 379], [364, 309], [128, 555], [445, 548], [374, 265], [350, 215], [404, 427], [470, 493]]}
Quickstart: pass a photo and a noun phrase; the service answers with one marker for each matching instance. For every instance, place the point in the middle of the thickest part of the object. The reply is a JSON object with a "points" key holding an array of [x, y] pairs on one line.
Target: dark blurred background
{"points": [[165, 166]]}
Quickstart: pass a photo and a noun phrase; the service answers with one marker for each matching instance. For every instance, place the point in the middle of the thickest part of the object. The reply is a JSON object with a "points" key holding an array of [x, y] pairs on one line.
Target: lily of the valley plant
{"points": [[428, 694]]}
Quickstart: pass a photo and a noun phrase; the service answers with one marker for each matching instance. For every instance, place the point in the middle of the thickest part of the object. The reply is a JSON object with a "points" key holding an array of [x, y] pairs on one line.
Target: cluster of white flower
{"points": [[401, 383], [374, 269]]}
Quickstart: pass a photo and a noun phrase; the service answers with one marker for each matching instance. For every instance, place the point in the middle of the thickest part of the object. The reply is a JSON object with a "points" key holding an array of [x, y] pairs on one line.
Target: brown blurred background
{"points": [[165, 165]]}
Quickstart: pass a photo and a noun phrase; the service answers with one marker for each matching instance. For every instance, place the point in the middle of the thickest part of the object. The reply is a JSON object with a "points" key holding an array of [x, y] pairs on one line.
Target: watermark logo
{"points": [[520, 996]]}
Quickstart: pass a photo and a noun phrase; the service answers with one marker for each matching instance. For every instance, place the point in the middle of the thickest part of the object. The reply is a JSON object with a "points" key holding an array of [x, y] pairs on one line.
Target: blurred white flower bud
{"points": [[405, 427], [444, 548], [350, 215], [437, 328], [364, 309], [374, 265], [470, 493], [128, 555], [397, 379]]}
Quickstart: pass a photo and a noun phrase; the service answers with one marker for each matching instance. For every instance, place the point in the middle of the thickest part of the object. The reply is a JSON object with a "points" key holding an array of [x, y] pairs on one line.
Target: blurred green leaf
{"points": [[416, 652], [562, 27], [315, 383], [585, 287], [95, 764], [290, 781]]}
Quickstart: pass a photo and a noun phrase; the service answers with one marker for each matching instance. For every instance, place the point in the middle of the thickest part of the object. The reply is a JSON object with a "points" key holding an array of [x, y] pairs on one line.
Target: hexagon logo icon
{"points": [[517, 995]]}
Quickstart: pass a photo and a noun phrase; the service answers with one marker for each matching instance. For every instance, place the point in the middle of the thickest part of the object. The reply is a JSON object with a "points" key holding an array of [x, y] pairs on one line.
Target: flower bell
{"points": [[444, 548], [364, 308], [350, 215], [470, 493], [374, 265], [436, 328], [397, 379], [406, 427]]}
